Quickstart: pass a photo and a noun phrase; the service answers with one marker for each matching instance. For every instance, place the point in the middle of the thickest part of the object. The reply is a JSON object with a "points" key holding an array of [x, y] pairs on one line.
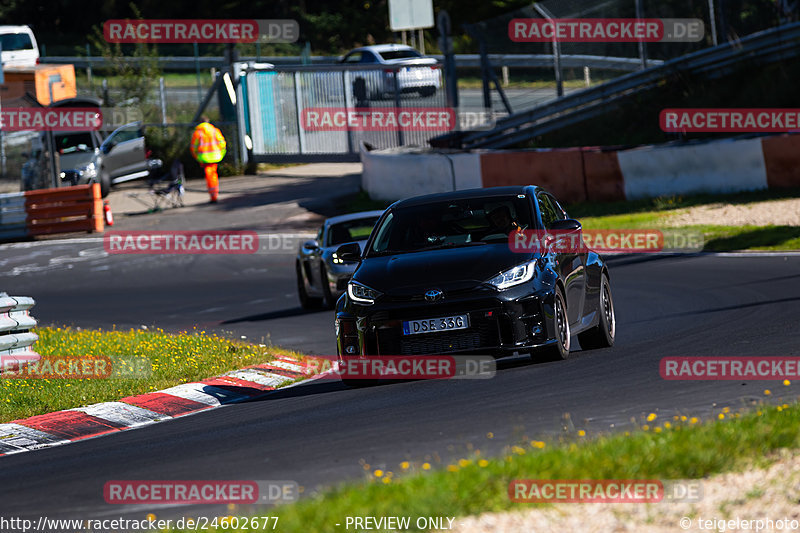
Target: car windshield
{"points": [[350, 231], [399, 54], [451, 224], [74, 142]]}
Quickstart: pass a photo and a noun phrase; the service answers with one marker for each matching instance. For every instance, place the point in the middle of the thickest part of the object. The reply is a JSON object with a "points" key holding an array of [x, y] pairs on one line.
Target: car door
{"points": [[124, 153], [570, 262]]}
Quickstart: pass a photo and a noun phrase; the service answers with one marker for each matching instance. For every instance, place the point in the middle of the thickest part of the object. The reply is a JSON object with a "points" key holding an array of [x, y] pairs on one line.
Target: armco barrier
{"points": [[16, 337], [50, 211]]}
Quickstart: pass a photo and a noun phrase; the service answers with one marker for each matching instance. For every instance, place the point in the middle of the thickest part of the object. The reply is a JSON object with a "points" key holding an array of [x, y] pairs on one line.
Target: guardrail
{"points": [[50, 211], [773, 44], [16, 337], [189, 63]]}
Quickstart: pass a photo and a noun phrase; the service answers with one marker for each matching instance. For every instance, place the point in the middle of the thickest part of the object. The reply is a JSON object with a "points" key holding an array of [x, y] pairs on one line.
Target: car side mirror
{"points": [[349, 252], [568, 226], [310, 246]]}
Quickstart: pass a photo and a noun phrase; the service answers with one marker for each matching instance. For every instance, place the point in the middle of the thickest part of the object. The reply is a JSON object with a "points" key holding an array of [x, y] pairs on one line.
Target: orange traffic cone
{"points": [[107, 213]]}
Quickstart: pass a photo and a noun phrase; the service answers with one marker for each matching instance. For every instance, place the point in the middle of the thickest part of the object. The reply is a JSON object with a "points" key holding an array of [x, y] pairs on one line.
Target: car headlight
{"points": [[361, 293], [89, 170], [514, 276]]}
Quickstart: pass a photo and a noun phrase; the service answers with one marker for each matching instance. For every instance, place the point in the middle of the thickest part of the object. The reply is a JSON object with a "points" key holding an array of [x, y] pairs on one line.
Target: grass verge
{"points": [[173, 359], [655, 213], [677, 448]]}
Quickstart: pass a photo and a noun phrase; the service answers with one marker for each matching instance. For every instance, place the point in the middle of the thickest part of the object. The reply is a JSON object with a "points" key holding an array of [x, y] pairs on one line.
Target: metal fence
{"points": [[276, 104], [16, 337]]}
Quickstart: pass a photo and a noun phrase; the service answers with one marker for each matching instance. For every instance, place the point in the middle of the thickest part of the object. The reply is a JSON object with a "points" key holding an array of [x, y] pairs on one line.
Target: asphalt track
{"points": [[319, 434]]}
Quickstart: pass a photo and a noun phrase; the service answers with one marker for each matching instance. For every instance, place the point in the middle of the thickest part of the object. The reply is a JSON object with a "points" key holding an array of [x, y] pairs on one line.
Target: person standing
{"points": [[208, 148]]}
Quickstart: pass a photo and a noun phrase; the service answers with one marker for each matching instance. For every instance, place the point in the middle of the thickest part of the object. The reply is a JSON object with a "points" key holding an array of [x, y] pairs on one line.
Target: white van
{"points": [[19, 47]]}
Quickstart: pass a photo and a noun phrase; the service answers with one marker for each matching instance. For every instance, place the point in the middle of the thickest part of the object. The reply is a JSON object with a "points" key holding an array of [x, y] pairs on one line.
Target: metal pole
{"points": [[197, 71], [162, 96], [422, 41], [642, 48], [403, 33], [556, 51], [89, 66], [713, 19]]}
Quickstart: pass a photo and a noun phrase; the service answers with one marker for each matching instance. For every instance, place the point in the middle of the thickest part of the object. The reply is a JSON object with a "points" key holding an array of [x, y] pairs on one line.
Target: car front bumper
{"points": [[500, 323]]}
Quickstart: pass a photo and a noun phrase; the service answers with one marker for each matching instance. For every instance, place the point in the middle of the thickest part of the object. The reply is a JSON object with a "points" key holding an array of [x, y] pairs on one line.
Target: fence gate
{"points": [[299, 114]]}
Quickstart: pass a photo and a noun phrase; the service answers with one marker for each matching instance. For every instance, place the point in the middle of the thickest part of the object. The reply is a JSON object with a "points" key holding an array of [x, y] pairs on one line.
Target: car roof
{"points": [[353, 216], [9, 28], [383, 48], [487, 192]]}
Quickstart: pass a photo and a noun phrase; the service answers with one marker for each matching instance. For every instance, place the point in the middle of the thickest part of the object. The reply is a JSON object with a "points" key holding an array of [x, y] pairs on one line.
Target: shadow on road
{"points": [[282, 313]]}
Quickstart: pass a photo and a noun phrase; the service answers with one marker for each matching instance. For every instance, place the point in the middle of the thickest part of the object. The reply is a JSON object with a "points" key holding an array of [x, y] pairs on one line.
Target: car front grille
{"points": [[484, 334]]}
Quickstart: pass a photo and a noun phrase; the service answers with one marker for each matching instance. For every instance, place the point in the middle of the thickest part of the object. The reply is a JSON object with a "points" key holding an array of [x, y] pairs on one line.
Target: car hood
{"points": [[453, 268], [73, 160]]}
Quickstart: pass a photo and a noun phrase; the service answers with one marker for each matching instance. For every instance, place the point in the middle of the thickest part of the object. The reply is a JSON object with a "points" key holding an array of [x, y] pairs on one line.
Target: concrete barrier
{"points": [[400, 173], [782, 160], [602, 176], [716, 167], [591, 174], [560, 171]]}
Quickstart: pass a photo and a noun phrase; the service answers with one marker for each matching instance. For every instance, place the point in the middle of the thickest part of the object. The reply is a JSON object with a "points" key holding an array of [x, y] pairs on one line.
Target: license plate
{"points": [[431, 325]]}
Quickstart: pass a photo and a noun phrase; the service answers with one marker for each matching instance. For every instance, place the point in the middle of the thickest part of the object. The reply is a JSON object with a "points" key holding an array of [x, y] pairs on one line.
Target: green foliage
{"points": [[135, 81]]}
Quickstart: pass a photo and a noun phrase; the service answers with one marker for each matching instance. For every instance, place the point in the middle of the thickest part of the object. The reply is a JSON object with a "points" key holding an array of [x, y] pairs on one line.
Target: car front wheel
{"points": [[306, 301], [602, 335], [559, 350]]}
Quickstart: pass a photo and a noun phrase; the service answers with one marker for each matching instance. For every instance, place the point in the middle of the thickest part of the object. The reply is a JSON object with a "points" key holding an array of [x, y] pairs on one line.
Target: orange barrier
{"points": [[560, 171], [603, 176], [64, 210], [782, 160]]}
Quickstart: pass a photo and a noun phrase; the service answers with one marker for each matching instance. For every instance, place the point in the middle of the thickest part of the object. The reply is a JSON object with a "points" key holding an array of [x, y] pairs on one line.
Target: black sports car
{"points": [[438, 276], [321, 275]]}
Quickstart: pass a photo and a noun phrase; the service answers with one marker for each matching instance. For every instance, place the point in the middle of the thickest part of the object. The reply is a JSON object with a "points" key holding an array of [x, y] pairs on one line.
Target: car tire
{"points": [[328, 300], [306, 301], [559, 350], [105, 184], [602, 335]]}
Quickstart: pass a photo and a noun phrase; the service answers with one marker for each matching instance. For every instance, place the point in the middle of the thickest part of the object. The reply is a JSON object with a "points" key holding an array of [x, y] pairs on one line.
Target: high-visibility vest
{"points": [[208, 144]]}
